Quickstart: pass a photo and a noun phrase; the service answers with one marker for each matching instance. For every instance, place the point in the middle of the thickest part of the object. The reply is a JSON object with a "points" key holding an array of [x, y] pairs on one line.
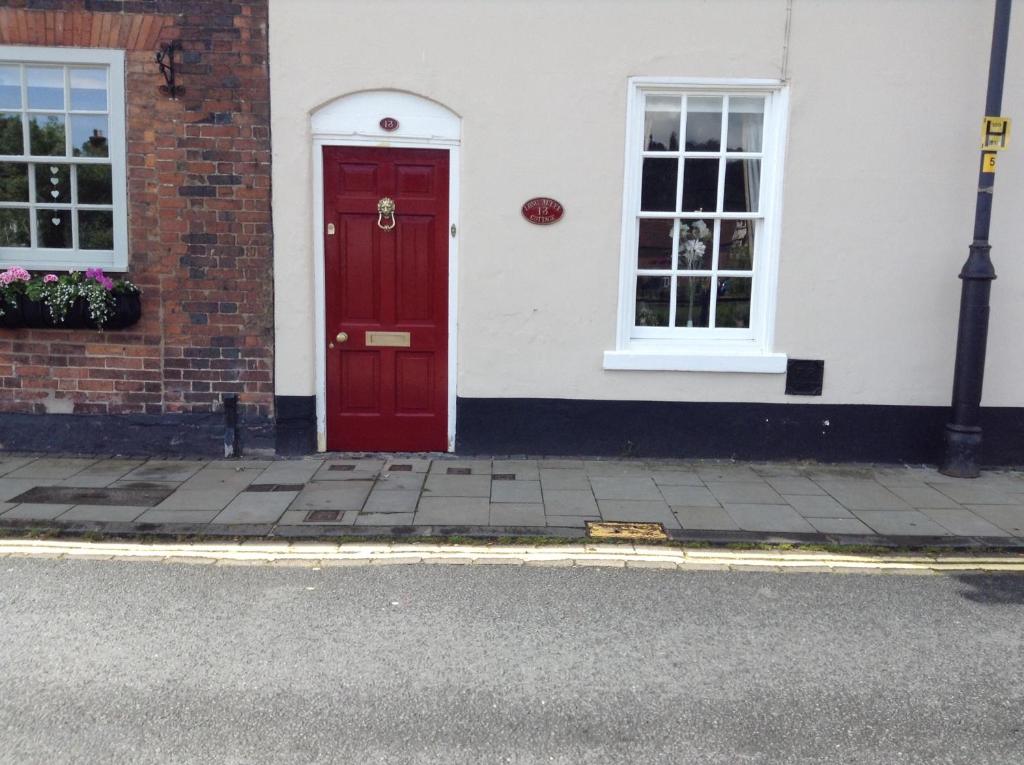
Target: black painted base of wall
{"points": [[200, 435], [828, 433], [295, 425]]}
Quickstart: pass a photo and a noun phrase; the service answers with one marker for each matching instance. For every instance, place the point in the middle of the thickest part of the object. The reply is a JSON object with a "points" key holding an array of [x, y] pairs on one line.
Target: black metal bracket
{"points": [[165, 60]]}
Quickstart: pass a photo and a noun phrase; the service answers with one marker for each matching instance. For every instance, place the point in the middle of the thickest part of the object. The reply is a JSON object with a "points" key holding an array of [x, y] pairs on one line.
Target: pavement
{"points": [[111, 661], [337, 495]]}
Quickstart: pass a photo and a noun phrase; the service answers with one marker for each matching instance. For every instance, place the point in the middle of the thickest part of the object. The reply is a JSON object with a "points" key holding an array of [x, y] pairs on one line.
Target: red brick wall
{"points": [[199, 217]]}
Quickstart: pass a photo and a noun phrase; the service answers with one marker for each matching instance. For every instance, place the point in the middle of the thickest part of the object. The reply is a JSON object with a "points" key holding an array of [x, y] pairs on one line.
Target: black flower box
{"points": [[126, 311]]}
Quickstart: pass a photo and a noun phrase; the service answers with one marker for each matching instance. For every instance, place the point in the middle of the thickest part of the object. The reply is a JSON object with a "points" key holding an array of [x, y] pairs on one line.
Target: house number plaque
{"points": [[543, 211], [389, 124]]}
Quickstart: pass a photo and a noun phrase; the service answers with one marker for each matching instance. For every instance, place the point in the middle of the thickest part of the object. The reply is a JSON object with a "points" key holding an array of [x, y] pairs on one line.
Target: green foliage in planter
{"points": [[59, 292]]}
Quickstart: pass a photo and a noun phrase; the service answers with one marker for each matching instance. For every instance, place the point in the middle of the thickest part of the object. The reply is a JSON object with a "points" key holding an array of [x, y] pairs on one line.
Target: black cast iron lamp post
{"points": [[963, 431]]}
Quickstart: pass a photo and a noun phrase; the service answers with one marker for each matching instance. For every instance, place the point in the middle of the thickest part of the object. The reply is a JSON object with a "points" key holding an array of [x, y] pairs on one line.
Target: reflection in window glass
{"points": [[742, 185], [703, 123], [733, 306], [658, 190], [700, 185], [736, 250], [46, 135], [11, 138], [14, 182], [746, 124], [95, 229], [693, 301], [94, 185], [45, 87], [652, 300], [53, 184], [14, 230], [10, 87], [654, 246], [53, 228], [661, 123], [696, 238], [89, 89], [89, 136]]}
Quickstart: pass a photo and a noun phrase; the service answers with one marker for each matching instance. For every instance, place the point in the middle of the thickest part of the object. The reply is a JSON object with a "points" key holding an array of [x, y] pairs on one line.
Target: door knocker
{"points": [[386, 209]]}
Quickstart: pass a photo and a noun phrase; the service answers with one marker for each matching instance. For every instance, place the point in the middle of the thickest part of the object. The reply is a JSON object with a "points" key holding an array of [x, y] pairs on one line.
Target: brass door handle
{"points": [[340, 337]]}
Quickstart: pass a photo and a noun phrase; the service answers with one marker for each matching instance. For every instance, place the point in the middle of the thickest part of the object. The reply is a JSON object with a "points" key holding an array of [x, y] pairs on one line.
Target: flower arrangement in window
{"points": [[72, 300]]}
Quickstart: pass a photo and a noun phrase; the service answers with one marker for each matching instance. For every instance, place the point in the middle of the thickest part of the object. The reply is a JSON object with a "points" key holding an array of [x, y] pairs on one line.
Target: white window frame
{"points": [[38, 258], [692, 349]]}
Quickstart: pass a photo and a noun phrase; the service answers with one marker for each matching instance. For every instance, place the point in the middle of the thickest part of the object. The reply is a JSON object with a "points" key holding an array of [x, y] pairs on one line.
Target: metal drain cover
{"points": [[75, 495], [625, 530]]}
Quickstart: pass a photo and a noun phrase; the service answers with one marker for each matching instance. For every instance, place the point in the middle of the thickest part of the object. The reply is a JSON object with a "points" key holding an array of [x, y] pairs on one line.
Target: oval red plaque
{"points": [[389, 124], [543, 211]]}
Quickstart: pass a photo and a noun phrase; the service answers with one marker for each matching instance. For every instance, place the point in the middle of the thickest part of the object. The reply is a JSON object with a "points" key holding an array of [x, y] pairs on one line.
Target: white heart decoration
{"points": [[55, 193], [55, 221], [53, 169], [54, 181]]}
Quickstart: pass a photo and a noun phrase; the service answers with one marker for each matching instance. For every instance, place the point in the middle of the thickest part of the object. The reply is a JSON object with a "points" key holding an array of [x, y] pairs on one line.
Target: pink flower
{"points": [[94, 273], [49, 278], [107, 283], [14, 274]]}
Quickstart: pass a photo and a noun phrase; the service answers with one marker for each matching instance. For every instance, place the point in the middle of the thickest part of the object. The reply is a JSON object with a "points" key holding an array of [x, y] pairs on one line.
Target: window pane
{"points": [[45, 87], [695, 240], [95, 230], [89, 89], [661, 123], [652, 298], [94, 185], [46, 135], [11, 138], [700, 185], [654, 249], [693, 301], [53, 227], [53, 184], [10, 87], [742, 185], [658, 192], [703, 123], [89, 136], [746, 124], [736, 249], [13, 182], [733, 308], [14, 228]]}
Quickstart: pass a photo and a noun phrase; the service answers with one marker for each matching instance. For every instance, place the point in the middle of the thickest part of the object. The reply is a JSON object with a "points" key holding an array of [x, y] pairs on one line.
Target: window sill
{"points": [[675, 361]]}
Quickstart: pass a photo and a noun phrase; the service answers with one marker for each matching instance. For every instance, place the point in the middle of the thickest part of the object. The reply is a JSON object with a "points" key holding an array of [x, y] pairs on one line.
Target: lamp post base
{"points": [[963, 443]]}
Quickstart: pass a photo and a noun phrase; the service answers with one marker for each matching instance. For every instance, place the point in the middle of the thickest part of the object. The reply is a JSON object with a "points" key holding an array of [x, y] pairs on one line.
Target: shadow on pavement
{"points": [[993, 589]]}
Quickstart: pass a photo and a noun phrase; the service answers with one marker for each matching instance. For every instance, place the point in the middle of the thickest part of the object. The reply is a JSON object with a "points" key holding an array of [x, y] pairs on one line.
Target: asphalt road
{"points": [[144, 662]]}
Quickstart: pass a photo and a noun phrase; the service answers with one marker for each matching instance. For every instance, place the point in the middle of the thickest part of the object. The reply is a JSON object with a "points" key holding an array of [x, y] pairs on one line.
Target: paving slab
{"points": [[626, 487], [689, 496], [1007, 517], [452, 511], [457, 485], [963, 522], [523, 470], [10, 464], [236, 464], [52, 467], [256, 507], [522, 514], [560, 463], [613, 468], [347, 470], [922, 496], [391, 501], [400, 481], [839, 525], [298, 518], [637, 510], [794, 485], [667, 477], [778, 518], [12, 487], [165, 470], [744, 492], [32, 512], [862, 495], [297, 471], [516, 491], [901, 523], [559, 502], [402, 465], [384, 519], [966, 492], [155, 515], [704, 518], [563, 479], [570, 521], [198, 500], [817, 506], [727, 472], [333, 495], [103, 513], [475, 467]]}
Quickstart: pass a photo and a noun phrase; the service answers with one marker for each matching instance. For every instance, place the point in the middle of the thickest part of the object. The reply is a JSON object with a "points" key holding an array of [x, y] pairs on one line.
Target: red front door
{"points": [[387, 291]]}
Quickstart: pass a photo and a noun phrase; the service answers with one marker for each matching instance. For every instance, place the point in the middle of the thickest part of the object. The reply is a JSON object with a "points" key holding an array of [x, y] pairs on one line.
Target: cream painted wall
{"points": [[886, 99]]}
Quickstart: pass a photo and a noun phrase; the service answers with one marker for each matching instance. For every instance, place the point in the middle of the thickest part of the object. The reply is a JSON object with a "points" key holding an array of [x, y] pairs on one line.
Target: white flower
{"points": [[701, 229]]}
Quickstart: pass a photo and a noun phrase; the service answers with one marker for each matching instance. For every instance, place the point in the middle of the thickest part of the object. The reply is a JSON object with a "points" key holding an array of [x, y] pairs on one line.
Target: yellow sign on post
{"points": [[988, 161], [995, 133]]}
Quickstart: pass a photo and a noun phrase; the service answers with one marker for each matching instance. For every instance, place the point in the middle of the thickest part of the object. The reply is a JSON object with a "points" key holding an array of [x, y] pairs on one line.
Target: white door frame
{"points": [[353, 120]]}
